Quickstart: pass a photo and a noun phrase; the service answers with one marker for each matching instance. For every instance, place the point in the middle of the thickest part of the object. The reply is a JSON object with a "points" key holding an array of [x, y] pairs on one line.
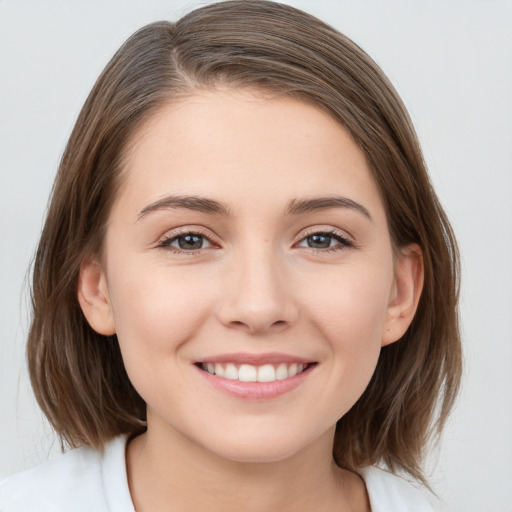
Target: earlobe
{"points": [[405, 296], [94, 299]]}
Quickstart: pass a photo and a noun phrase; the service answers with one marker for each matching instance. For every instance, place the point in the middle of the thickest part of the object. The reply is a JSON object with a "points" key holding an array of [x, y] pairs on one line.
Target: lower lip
{"points": [[256, 390]]}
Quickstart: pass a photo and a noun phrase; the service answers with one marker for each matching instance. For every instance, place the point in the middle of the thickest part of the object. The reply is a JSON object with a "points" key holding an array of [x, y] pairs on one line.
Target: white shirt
{"points": [[83, 480]]}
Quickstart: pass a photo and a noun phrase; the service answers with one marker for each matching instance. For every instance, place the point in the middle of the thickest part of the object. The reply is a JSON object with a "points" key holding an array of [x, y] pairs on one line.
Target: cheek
{"points": [[350, 305], [348, 315], [155, 314]]}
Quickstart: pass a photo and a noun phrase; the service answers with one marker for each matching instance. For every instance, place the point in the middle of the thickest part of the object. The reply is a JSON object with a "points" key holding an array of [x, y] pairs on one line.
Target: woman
{"points": [[245, 283]]}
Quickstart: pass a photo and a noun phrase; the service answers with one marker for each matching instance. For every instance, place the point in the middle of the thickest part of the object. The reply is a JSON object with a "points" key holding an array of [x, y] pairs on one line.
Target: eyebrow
{"points": [[211, 206], [296, 206], [198, 204]]}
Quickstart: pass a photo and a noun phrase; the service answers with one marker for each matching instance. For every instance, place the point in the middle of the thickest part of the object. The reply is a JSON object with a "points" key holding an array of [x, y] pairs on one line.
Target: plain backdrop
{"points": [[452, 63]]}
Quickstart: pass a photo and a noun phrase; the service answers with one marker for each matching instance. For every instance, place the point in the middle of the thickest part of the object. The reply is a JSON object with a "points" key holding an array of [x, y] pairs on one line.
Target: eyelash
{"points": [[344, 242], [166, 242]]}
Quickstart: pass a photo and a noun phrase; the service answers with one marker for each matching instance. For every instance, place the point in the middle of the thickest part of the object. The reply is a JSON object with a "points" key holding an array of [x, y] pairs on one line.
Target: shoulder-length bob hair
{"points": [[78, 375]]}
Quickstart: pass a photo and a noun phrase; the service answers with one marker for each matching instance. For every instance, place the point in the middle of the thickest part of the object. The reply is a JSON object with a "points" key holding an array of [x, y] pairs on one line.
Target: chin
{"points": [[251, 455], [261, 448]]}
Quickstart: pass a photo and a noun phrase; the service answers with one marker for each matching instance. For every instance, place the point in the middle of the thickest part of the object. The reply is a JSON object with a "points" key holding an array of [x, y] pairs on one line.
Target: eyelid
{"points": [[345, 241], [327, 230], [164, 241]]}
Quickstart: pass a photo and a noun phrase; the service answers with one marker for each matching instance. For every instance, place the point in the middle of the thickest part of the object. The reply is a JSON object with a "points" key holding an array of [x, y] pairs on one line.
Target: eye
{"points": [[186, 242], [325, 240]]}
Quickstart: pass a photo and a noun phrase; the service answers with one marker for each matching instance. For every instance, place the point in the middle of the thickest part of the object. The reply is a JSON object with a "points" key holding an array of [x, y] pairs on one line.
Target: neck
{"points": [[172, 473]]}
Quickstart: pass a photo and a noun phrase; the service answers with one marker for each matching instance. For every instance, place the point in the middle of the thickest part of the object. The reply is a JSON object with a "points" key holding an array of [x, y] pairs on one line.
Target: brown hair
{"points": [[78, 376]]}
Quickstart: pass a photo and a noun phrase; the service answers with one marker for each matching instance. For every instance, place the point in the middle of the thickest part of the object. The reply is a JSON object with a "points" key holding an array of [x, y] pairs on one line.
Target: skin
{"points": [[257, 285]]}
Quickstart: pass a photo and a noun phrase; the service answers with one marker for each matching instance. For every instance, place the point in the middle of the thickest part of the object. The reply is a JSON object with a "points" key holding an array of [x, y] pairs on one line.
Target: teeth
{"points": [[282, 372], [231, 372], [266, 373], [219, 370], [247, 373], [250, 373]]}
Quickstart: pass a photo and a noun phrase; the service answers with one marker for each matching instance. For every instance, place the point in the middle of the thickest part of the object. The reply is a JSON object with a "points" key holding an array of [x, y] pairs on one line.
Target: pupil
{"points": [[190, 242], [319, 241]]}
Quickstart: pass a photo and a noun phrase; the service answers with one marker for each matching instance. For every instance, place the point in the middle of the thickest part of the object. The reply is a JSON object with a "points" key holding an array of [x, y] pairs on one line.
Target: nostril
{"points": [[255, 326]]}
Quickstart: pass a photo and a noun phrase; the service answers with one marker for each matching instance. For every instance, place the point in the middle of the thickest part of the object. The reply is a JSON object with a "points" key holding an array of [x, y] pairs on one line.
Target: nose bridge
{"points": [[256, 295]]}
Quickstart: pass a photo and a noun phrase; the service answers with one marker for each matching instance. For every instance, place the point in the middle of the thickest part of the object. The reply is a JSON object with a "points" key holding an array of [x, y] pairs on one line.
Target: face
{"points": [[248, 273]]}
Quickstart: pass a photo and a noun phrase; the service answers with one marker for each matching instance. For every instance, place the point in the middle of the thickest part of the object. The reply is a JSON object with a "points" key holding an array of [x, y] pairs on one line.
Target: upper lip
{"points": [[255, 359]]}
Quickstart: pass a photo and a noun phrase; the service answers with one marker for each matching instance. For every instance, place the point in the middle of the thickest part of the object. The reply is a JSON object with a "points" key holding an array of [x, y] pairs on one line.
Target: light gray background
{"points": [[452, 63]]}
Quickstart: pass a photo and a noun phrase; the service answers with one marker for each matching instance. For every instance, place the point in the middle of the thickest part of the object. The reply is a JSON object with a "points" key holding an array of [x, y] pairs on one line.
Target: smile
{"points": [[255, 377], [252, 373]]}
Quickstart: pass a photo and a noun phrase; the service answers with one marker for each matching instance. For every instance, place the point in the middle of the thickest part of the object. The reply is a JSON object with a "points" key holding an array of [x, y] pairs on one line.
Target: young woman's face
{"points": [[248, 243]]}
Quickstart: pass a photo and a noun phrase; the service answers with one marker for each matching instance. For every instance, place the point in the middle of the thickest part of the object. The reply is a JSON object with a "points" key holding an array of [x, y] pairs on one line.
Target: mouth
{"points": [[255, 377], [245, 372]]}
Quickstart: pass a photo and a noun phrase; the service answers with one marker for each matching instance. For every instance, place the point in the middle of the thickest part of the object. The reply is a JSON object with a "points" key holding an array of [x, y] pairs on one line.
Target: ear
{"points": [[94, 299], [405, 293]]}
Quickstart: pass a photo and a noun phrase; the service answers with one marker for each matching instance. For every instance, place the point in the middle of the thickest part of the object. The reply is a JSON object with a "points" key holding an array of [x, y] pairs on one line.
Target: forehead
{"points": [[239, 145]]}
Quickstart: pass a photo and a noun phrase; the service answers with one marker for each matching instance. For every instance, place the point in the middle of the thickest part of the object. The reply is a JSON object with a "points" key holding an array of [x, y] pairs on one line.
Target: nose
{"points": [[257, 295]]}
